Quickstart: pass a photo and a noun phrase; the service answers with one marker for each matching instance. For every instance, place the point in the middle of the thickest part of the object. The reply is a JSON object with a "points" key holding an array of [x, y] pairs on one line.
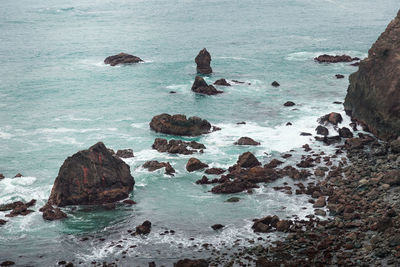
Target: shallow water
{"points": [[58, 97]]}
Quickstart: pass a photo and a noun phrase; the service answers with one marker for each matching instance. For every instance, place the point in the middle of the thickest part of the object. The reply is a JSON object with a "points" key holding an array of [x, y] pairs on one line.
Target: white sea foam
{"points": [[5, 135], [64, 140]]}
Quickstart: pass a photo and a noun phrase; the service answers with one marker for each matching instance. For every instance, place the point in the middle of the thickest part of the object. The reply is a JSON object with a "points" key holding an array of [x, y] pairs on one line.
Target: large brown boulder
{"points": [[179, 125], [247, 160], [122, 58], [203, 60], [201, 87], [92, 176], [246, 141], [373, 96], [194, 164]]}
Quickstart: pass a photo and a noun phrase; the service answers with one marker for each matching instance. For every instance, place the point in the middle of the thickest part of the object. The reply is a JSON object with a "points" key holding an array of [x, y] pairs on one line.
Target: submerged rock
{"points": [[246, 141], [321, 130], [289, 104], [233, 187], [222, 82], [201, 87], [177, 146], [203, 60], [153, 165], [194, 164], [334, 59], [339, 76], [216, 171], [92, 176], [373, 96], [217, 226], [18, 175], [179, 125], [122, 58]]}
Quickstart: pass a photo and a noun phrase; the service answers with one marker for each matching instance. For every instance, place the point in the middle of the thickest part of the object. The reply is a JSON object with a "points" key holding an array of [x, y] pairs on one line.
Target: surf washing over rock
{"points": [[248, 159]]}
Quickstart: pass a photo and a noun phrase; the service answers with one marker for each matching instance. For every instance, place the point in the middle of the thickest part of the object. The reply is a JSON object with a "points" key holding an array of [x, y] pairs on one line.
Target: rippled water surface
{"points": [[57, 97]]}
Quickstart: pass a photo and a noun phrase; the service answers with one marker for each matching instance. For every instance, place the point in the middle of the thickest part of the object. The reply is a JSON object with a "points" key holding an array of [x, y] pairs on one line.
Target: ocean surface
{"points": [[58, 97]]}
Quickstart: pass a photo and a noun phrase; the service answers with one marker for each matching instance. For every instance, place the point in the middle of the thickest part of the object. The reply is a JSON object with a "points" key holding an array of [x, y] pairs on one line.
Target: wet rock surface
{"points": [[92, 176], [180, 125], [201, 87], [153, 165], [222, 82], [194, 164], [246, 141], [122, 58], [334, 59], [177, 146]]}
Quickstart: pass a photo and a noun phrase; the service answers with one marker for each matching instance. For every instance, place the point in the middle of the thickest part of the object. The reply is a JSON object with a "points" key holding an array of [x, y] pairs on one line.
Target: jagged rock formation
{"points": [[203, 60], [122, 58], [373, 96]]}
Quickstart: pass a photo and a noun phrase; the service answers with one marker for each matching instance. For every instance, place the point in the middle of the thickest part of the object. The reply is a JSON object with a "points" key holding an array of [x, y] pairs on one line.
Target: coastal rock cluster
{"points": [[180, 125], [373, 96]]}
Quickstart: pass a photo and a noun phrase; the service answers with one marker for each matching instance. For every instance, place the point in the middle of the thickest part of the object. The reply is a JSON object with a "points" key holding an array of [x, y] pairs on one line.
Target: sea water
{"points": [[58, 97]]}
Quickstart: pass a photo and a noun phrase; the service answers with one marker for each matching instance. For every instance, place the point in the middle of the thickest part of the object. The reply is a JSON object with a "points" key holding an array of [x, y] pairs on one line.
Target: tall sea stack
{"points": [[203, 61], [373, 96]]}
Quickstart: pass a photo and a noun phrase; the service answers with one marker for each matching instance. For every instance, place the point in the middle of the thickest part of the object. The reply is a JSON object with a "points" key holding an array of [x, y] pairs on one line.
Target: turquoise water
{"points": [[58, 97]]}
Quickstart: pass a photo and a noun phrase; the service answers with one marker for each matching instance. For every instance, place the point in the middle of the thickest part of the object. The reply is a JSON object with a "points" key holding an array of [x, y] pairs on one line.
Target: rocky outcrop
{"points": [[1, 176], [321, 130], [153, 165], [201, 87], [373, 96], [122, 58], [144, 228], [216, 171], [51, 214], [222, 82], [92, 176], [180, 125], [246, 141], [203, 60], [247, 160], [194, 164], [289, 104], [334, 59], [125, 153], [177, 146], [275, 84], [18, 208]]}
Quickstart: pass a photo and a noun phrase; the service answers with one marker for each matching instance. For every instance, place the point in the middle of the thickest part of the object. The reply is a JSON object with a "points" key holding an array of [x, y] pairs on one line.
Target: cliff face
{"points": [[373, 96]]}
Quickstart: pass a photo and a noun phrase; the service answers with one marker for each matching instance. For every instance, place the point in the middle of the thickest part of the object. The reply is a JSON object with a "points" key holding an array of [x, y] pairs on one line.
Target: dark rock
{"points": [[334, 59], [194, 164], [1, 176], [177, 146], [233, 187], [288, 124], [217, 226], [203, 60], [153, 165], [320, 203], [247, 160], [201, 87], [191, 263], [122, 58], [337, 102], [273, 164], [11, 206], [172, 92], [246, 141], [7, 263], [321, 130], [233, 200], [2, 222], [275, 84], [339, 76], [179, 125], [242, 122], [51, 214], [18, 175], [129, 202], [356, 64], [144, 229], [305, 134], [205, 180], [345, 133], [283, 225], [125, 153], [392, 178], [373, 96], [222, 82], [395, 146], [289, 104], [239, 82], [216, 171], [333, 117], [91, 176]]}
